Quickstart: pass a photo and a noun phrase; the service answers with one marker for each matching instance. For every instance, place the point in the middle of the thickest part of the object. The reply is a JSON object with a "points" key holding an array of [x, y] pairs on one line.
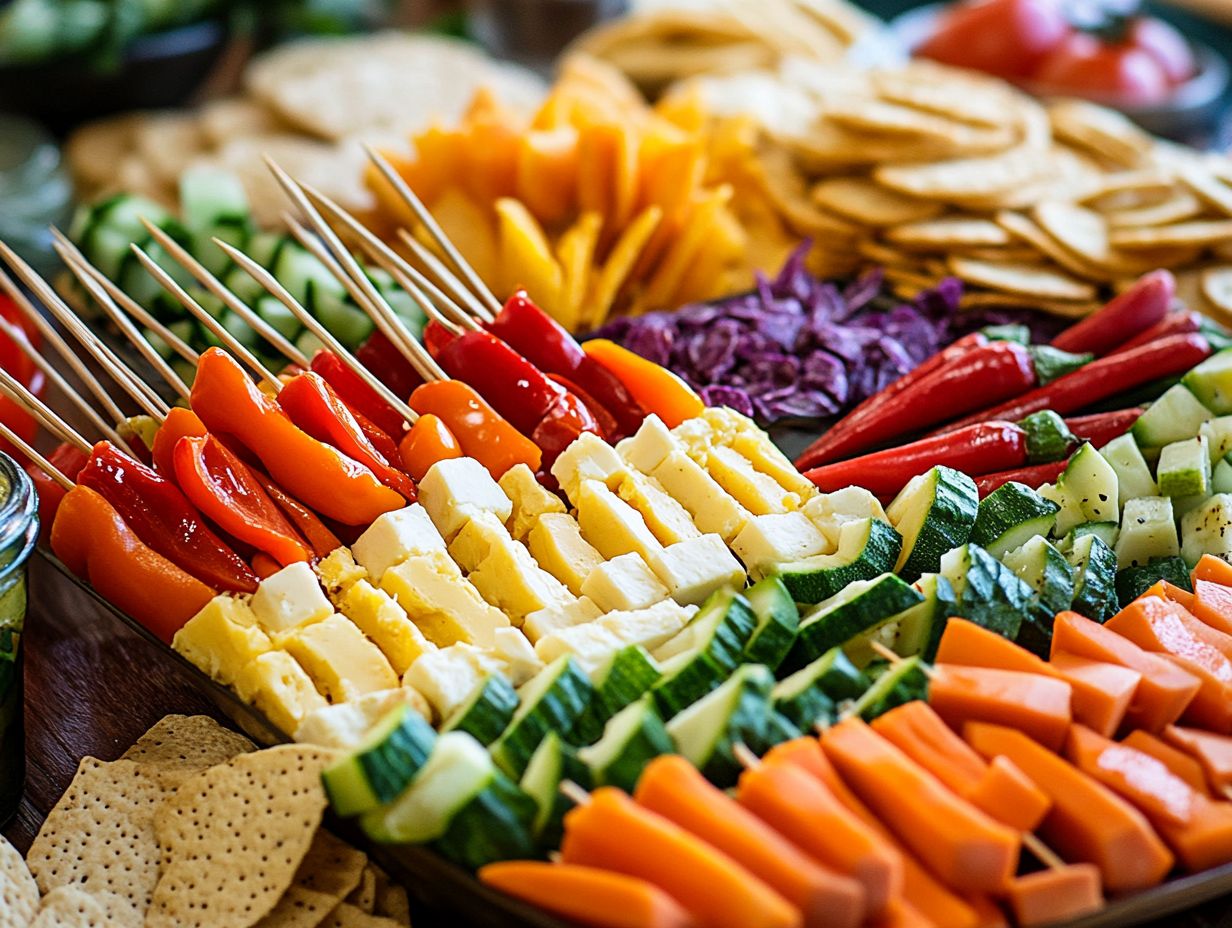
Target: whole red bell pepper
{"points": [[360, 397], [164, 519], [69, 460], [320, 537], [224, 489], [1101, 428], [1132, 312], [388, 365], [1034, 476]]}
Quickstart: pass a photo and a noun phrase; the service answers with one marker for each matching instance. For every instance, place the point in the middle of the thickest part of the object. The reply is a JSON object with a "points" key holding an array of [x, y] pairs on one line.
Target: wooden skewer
{"points": [[15, 390], [574, 793], [211, 283], [42, 463], [442, 274], [310, 322], [408, 196], [127, 303], [171, 286], [745, 757]]}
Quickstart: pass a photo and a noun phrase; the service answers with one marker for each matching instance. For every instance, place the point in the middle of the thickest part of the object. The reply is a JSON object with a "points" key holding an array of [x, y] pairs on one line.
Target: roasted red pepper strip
{"points": [[359, 397], [317, 409], [1035, 476], [479, 429], [224, 489], [436, 338], [517, 389], [1102, 427], [609, 429], [69, 460], [428, 441], [549, 346], [319, 536], [322, 477], [971, 380], [1132, 312], [164, 519], [979, 449], [96, 544], [564, 422], [179, 422], [379, 355]]}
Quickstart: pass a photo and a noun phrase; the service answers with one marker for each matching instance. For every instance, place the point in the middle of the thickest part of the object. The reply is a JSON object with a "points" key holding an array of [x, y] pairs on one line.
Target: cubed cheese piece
{"points": [[557, 545], [692, 570], [518, 653], [511, 581], [778, 539], [454, 490], [476, 538], [344, 726], [588, 457], [667, 520], [340, 660], [378, 615], [446, 607], [448, 677], [831, 511], [763, 454], [545, 621], [712, 509], [222, 638], [394, 537], [610, 524], [696, 436], [649, 627], [728, 425], [337, 571], [624, 582], [290, 599], [590, 645], [647, 448], [530, 500], [759, 494], [278, 686]]}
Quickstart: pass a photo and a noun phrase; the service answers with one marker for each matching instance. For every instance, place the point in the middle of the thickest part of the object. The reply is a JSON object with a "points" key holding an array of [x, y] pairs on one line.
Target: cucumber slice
{"points": [[701, 656], [279, 317], [304, 277], [210, 197], [920, 627], [632, 738], [809, 696], [116, 223], [1184, 468], [933, 513], [346, 322], [1069, 512], [1094, 564], [1207, 529], [1108, 533], [624, 678], [1010, 515], [1045, 569], [1221, 477], [1211, 382], [552, 763], [1051, 363], [1132, 582], [862, 607], [1148, 530], [866, 548], [384, 763], [487, 712], [1176, 415], [1133, 474], [778, 618], [497, 824], [893, 685], [987, 592], [1091, 481], [1218, 434], [553, 700], [1048, 437]]}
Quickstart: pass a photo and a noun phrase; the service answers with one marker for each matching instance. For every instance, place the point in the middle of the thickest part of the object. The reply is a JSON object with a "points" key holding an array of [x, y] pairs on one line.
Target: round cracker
{"points": [[861, 200], [1177, 208], [93, 151], [965, 177], [1080, 231], [167, 143], [949, 232], [234, 117], [19, 894], [1217, 287], [1209, 187], [70, 907], [1025, 229], [1023, 279], [1184, 233]]}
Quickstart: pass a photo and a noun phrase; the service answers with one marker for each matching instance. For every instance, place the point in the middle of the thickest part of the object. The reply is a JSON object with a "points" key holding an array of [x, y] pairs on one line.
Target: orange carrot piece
{"points": [[1087, 822], [1219, 640], [586, 895], [1102, 692], [1214, 569], [1032, 703], [964, 642], [1171, 592], [902, 914], [675, 789], [1049, 896], [963, 846], [1180, 763], [1165, 690], [1009, 796], [1212, 751], [1212, 604], [612, 832]]}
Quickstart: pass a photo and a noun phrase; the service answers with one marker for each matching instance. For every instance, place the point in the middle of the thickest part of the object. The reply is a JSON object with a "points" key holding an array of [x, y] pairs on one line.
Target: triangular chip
{"points": [[19, 894], [526, 257], [182, 746], [619, 263], [391, 899]]}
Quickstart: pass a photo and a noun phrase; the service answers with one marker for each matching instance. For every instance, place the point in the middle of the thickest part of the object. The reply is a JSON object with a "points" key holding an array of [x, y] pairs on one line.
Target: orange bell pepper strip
{"points": [[1213, 569], [1102, 692], [1087, 822], [1165, 691], [1212, 604], [1171, 592], [587, 895], [482, 433], [224, 489], [426, 442], [1048, 897], [612, 832], [179, 423], [1030, 702], [1212, 751], [652, 386], [95, 543], [264, 566], [963, 642], [69, 460], [318, 535], [801, 809], [1177, 761], [675, 789], [328, 481]]}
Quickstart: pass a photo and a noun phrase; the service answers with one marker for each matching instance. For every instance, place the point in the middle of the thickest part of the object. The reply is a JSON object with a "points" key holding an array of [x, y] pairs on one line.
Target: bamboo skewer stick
{"points": [[437, 268], [15, 390], [41, 462]]}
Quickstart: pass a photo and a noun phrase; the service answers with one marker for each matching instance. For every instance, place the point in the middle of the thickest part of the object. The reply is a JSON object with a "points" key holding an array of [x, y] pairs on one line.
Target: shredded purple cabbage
{"points": [[801, 348]]}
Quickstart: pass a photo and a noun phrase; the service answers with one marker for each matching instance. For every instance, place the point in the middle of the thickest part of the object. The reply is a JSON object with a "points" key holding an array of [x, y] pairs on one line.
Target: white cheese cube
{"points": [[518, 654], [455, 490], [692, 570], [778, 539], [761, 452], [831, 511], [649, 627], [557, 545], [696, 436], [476, 539], [530, 500], [545, 621], [712, 509], [394, 537], [445, 605], [511, 581], [728, 424], [667, 520], [341, 661], [343, 726], [612, 525], [590, 645], [759, 494], [646, 448], [290, 599], [589, 457], [624, 582], [448, 677]]}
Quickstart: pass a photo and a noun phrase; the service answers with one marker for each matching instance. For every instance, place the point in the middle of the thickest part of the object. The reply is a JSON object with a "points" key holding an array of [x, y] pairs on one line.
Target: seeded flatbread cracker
{"points": [[1210, 232], [331, 866], [363, 897], [348, 916], [70, 907], [860, 200], [391, 899], [965, 177], [181, 746], [1034, 281], [299, 908], [93, 150], [19, 894]]}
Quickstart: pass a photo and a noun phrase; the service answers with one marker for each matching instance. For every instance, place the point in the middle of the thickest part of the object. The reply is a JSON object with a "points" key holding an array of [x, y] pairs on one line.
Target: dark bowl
{"points": [[159, 70]]}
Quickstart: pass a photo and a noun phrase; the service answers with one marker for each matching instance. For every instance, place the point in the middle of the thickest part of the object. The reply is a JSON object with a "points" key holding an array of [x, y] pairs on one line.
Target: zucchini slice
{"points": [[1133, 473], [487, 712], [701, 656], [1094, 564], [1009, 516], [632, 738], [933, 513], [384, 763], [866, 549], [553, 762], [920, 627], [987, 592], [552, 700], [1132, 582], [624, 678], [1211, 382], [893, 685], [1176, 415], [1148, 530], [1043, 568], [1184, 468], [810, 695], [1091, 482], [778, 619], [862, 607], [1207, 529]]}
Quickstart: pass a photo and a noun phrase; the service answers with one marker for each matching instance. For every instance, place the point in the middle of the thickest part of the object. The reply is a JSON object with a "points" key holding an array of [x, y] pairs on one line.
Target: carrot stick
{"points": [[1180, 763], [964, 642], [1102, 692], [1213, 752], [1169, 591], [1214, 569], [1050, 896], [1212, 603], [1009, 796], [1035, 704]]}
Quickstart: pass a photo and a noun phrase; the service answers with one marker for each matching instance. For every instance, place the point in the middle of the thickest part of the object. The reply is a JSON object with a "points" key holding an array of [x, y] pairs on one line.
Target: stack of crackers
{"points": [[195, 828]]}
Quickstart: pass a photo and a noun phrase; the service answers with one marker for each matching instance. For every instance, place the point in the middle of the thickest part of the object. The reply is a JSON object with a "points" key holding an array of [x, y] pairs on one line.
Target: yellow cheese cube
{"points": [[624, 582], [557, 545], [455, 490], [516, 651], [278, 686], [394, 537], [446, 607], [692, 570], [222, 638], [530, 500], [510, 580], [588, 457], [712, 509], [782, 538], [476, 538], [448, 677], [378, 615], [342, 663], [667, 520], [761, 452], [590, 645], [290, 599], [610, 524], [649, 627], [649, 445], [545, 621], [759, 494], [337, 571]]}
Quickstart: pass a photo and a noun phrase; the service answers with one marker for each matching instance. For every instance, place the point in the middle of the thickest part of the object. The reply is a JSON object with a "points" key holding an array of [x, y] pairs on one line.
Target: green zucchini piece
{"points": [[497, 824], [933, 513], [211, 197], [1207, 529], [866, 549], [1184, 468], [1108, 533], [1091, 482], [810, 695], [632, 738], [778, 619], [893, 685], [487, 713], [1211, 382], [384, 763], [552, 700], [862, 607], [624, 678], [1045, 569], [1095, 567], [1069, 514], [1132, 582], [1175, 416], [1133, 474], [701, 656], [920, 627], [1048, 437], [1218, 433], [553, 762], [1010, 515], [987, 592], [1148, 530]]}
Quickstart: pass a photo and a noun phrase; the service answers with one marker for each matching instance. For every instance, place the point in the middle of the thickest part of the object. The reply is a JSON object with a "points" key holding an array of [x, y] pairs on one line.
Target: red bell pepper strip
{"points": [[428, 441], [317, 409], [992, 373], [359, 397], [436, 338], [96, 544], [224, 489], [18, 417], [319, 536], [264, 566], [1102, 427], [983, 448], [609, 428], [387, 363], [69, 460], [548, 345], [381, 440], [321, 476], [179, 423], [1132, 312], [568, 418], [1034, 476], [164, 519], [517, 389], [482, 433], [1180, 322], [1102, 378]]}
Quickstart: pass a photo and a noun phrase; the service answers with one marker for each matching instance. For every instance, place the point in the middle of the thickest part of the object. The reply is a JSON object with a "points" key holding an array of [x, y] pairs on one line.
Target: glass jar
{"points": [[34, 190], [19, 528]]}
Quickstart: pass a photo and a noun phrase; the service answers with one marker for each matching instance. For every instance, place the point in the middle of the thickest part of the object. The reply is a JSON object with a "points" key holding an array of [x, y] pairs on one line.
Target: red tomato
{"points": [[1007, 38], [1166, 45], [1115, 74]]}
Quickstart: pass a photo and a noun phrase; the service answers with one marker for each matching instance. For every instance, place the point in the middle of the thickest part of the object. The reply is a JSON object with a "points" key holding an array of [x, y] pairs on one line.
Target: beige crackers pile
{"points": [[195, 828]]}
